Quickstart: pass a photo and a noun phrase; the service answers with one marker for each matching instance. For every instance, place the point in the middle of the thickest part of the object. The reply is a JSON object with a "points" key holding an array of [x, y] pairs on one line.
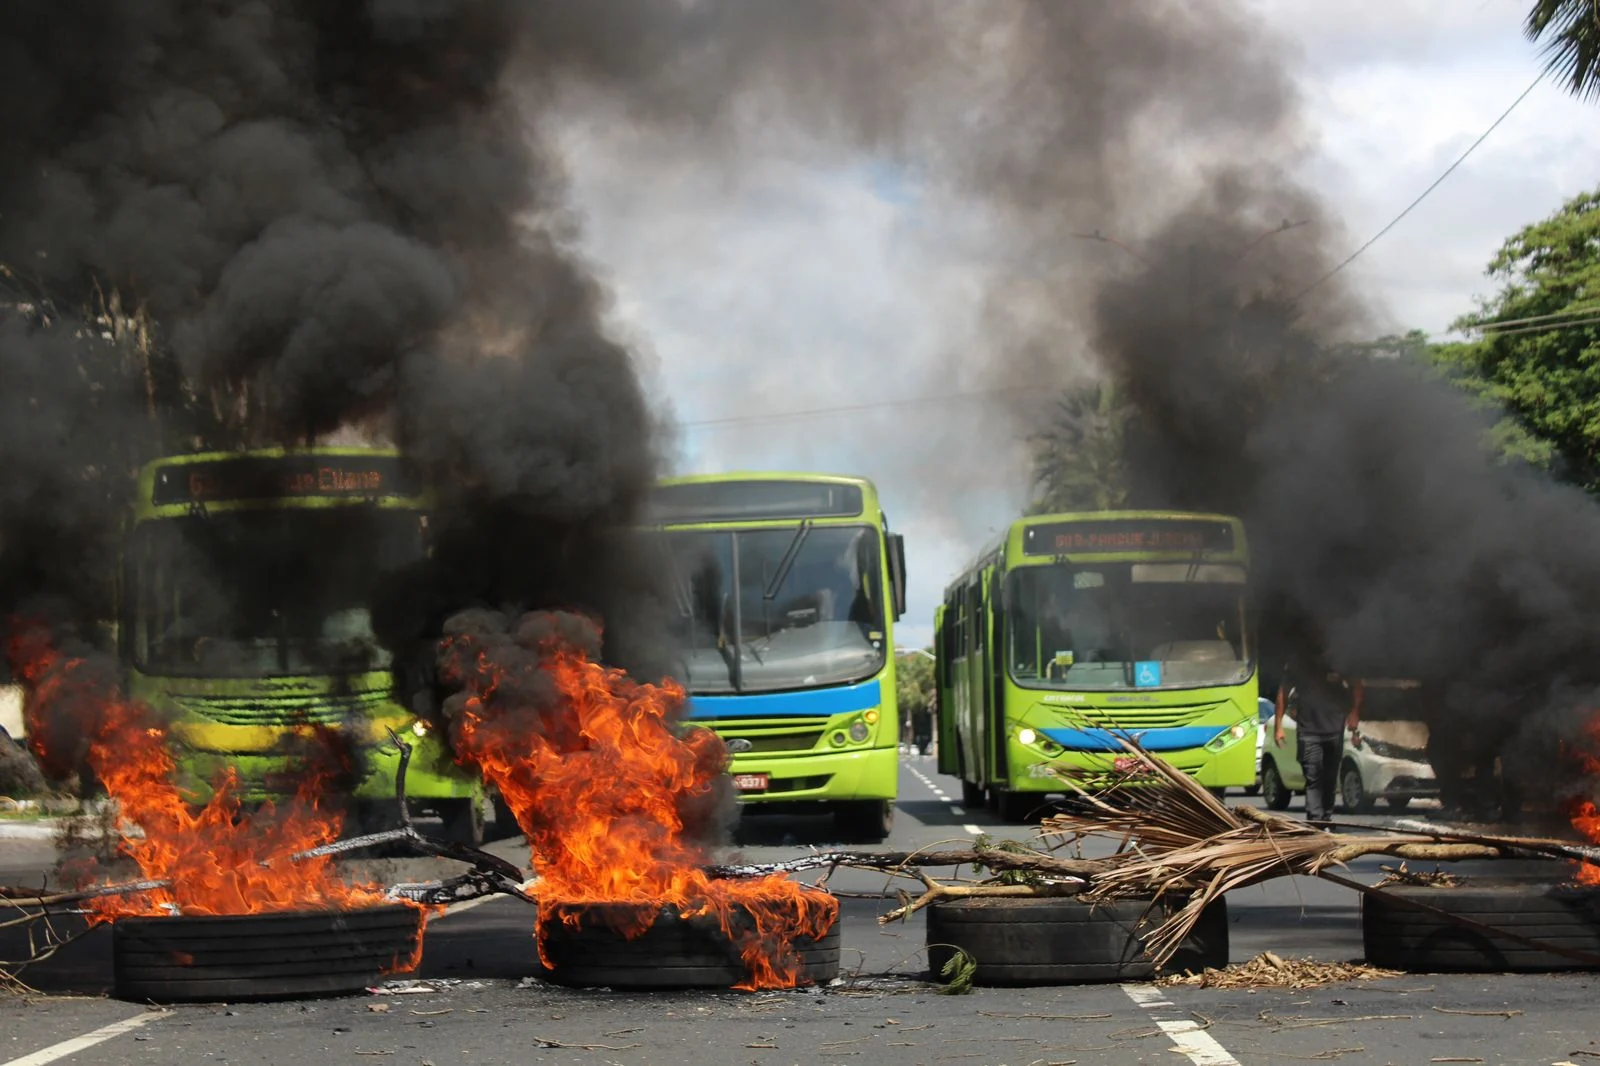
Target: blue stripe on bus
{"points": [[1175, 739], [817, 703]]}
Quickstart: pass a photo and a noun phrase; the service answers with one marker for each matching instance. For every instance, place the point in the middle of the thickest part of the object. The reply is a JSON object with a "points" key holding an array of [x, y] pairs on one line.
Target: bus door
{"points": [[993, 676], [977, 682], [944, 721]]}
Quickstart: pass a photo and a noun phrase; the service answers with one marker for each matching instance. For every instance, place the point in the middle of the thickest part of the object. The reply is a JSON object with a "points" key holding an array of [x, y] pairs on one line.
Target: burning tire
{"points": [[1399, 937], [1062, 941], [284, 955], [675, 952]]}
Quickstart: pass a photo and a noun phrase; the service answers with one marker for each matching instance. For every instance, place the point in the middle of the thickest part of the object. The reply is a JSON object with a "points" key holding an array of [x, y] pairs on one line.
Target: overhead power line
{"points": [[1499, 325], [1425, 192], [914, 401]]}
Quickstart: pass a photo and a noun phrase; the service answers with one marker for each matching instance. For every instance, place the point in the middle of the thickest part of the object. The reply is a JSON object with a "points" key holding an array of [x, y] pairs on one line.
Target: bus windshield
{"points": [[770, 609], [1087, 627], [280, 592]]}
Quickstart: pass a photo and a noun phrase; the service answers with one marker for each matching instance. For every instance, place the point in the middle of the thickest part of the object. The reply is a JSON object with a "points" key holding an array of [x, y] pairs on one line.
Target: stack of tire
{"points": [[1063, 940], [1484, 926]]}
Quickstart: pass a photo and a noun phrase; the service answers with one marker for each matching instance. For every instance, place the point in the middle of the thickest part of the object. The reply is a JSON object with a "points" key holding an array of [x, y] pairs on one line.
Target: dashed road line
{"points": [[59, 1051], [955, 808], [1190, 1038]]}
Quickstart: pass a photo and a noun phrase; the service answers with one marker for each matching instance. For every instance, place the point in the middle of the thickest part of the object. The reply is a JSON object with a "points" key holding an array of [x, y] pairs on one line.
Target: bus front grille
{"points": [[1133, 718], [281, 711], [768, 737]]}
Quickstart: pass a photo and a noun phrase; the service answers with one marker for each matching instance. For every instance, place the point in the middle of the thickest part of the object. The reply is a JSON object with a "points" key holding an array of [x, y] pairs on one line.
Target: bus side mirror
{"points": [[897, 572]]}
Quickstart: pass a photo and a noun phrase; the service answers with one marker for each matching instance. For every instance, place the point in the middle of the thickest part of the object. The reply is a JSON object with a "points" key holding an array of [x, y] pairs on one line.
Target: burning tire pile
{"points": [[593, 948], [1484, 927], [1051, 941], [282, 955]]}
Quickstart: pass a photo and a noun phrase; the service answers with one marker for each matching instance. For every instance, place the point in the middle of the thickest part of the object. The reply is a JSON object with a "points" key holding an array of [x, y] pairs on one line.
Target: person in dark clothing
{"points": [[1324, 704], [922, 727]]}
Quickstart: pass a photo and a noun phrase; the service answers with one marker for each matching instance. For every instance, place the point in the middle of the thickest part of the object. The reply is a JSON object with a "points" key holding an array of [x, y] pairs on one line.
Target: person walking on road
{"points": [[1324, 704]]}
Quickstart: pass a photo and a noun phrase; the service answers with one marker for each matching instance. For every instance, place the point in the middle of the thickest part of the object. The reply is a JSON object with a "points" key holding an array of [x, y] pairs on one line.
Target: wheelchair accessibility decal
{"points": [[1146, 674]]}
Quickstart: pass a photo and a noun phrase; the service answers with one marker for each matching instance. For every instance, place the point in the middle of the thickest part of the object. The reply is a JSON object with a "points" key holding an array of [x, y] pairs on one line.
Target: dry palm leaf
{"points": [[1267, 970], [1174, 836]]}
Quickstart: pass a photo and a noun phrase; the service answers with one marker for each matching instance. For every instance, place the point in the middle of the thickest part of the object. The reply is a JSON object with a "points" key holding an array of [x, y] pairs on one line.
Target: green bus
{"points": [[786, 589], [1073, 629], [245, 618]]}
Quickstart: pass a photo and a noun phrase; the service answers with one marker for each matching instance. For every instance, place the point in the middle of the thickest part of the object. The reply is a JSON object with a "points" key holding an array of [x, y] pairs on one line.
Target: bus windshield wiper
{"points": [[787, 562]]}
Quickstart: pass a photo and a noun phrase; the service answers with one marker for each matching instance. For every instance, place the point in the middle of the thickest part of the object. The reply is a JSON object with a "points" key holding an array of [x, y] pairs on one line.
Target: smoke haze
{"points": [[344, 216]]}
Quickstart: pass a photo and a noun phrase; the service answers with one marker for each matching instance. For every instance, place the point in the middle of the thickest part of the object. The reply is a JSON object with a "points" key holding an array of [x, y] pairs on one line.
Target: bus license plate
{"points": [[750, 782]]}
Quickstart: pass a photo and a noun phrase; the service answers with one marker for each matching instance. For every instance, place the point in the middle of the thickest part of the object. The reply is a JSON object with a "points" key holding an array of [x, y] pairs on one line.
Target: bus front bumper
{"points": [[867, 773], [1229, 762], [206, 752]]}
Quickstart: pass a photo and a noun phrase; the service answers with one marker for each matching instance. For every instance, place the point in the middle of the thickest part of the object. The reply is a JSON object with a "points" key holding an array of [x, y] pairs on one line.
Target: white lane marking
{"points": [[955, 808], [87, 1040], [1190, 1040]]}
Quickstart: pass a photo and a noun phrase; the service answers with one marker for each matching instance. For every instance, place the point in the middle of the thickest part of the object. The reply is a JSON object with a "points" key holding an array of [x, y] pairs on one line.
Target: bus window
{"points": [[1086, 627]]}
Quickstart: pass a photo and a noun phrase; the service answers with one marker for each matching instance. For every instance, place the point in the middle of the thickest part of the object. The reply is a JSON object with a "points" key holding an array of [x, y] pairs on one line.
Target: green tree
{"points": [[1078, 458], [914, 682], [1537, 349], [1570, 32]]}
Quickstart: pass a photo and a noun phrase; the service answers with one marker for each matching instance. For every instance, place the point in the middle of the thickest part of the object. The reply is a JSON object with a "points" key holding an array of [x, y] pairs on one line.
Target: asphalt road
{"points": [[472, 1002]]}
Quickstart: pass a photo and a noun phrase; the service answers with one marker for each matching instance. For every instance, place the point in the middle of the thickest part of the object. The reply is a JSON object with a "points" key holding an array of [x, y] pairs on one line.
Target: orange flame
{"points": [[1585, 816], [213, 857], [600, 779]]}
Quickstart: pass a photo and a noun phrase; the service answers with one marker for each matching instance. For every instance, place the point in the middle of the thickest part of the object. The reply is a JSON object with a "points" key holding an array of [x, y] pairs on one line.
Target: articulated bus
{"points": [[1075, 628], [245, 617], [787, 587]]}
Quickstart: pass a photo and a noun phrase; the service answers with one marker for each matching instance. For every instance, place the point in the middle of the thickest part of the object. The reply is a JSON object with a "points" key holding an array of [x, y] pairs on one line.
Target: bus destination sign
{"points": [[736, 501], [1105, 536], [276, 477]]}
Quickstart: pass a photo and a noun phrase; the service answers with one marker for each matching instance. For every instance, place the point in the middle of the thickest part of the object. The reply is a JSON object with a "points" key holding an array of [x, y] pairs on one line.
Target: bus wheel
{"points": [[505, 824], [1016, 806], [463, 821], [864, 821], [972, 795]]}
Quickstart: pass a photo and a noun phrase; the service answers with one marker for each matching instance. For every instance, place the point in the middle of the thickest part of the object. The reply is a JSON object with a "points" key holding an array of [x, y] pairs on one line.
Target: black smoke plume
{"points": [[262, 223], [341, 215]]}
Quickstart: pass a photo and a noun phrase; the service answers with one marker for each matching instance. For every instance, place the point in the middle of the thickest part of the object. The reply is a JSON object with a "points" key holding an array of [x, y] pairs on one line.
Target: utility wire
{"points": [[1549, 327], [1497, 325], [1425, 192], [915, 401]]}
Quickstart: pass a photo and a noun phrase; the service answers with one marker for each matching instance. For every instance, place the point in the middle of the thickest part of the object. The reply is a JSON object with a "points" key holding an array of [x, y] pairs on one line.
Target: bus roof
{"points": [[760, 495], [1108, 535], [311, 477]]}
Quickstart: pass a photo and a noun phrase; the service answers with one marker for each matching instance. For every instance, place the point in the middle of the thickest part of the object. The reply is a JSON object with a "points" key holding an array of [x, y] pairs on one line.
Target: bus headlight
{"points": [[871, 717], [1232, 735], [1026, 735], [419, 727], [859, 731]]}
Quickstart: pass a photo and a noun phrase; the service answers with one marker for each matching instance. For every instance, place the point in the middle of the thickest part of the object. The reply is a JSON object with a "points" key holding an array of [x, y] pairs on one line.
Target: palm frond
{"points": [[1570, 32]]}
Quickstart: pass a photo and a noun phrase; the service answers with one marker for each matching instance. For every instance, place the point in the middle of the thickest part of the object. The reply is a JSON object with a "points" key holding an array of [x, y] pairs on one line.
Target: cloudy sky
{"points": [[810, 312]]}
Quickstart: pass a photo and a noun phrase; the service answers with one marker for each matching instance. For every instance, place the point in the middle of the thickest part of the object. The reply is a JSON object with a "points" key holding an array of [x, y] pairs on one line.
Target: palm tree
{"points": [[1570, 30], [1078, 462]]}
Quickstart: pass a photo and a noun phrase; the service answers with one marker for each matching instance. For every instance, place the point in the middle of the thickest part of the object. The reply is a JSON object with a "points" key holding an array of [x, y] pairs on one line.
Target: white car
{"points": [[1385, 757]]}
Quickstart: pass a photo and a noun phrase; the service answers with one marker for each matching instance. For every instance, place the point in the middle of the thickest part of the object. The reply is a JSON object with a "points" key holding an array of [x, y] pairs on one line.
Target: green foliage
{"points": [[1078, 458], [1536, 355], [958, 973], [1570, 32], [914, 682]]}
